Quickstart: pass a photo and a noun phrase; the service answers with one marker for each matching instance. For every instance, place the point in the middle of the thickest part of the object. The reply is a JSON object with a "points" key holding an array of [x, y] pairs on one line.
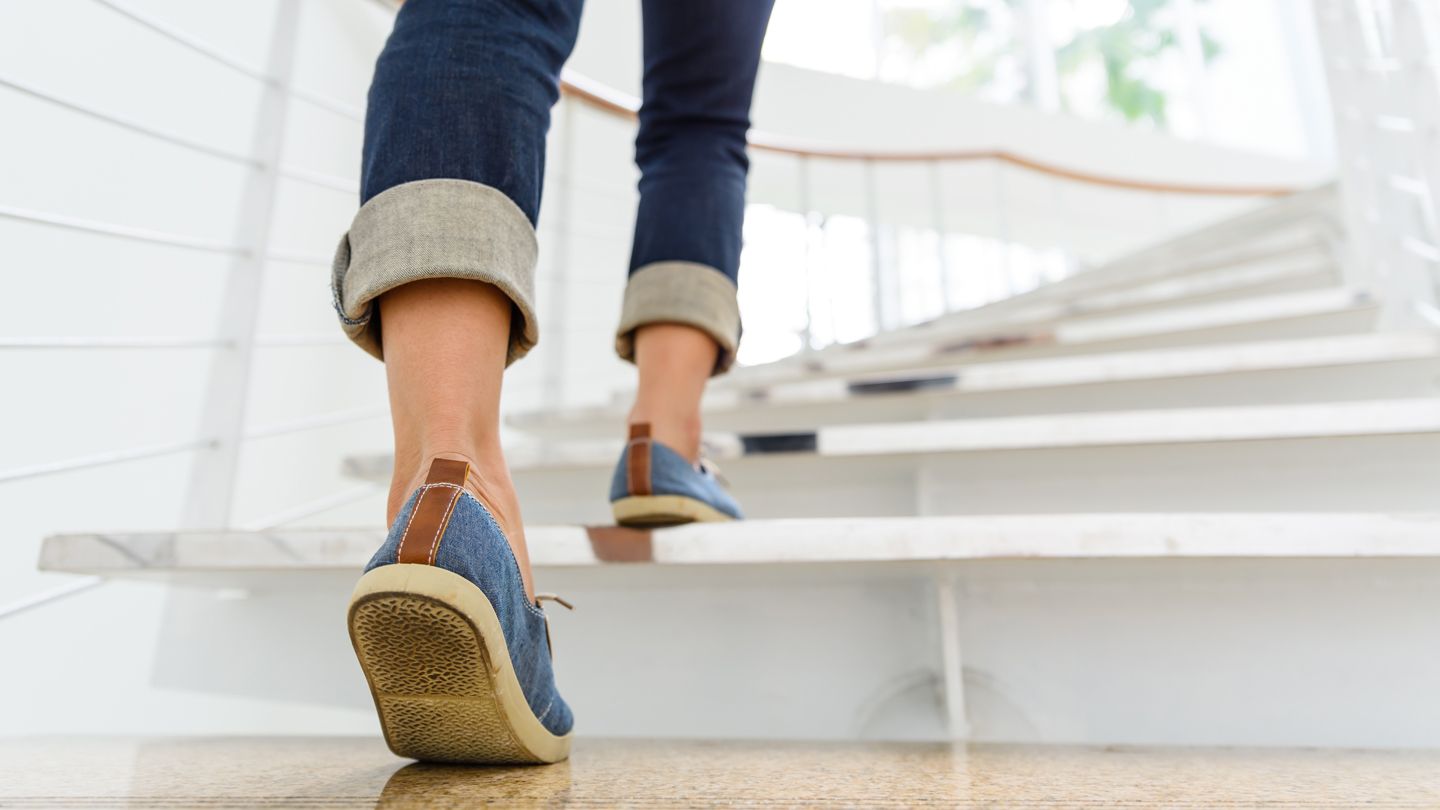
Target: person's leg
{"points": [[674, 360], [442, 253], [445, 347], [680, 323], [436, 277]]}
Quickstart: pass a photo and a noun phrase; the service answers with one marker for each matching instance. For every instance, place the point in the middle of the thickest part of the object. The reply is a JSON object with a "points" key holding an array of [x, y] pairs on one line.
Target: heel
{"points": [[435, 657], [664, 510]]}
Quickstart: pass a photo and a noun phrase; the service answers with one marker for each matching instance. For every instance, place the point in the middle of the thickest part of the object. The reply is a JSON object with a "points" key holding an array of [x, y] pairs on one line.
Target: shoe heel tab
{"points": [[637, 460], [448, 471], [444, 484]]}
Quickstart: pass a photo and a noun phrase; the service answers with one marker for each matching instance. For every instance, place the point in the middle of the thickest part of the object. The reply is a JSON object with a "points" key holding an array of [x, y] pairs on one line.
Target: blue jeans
{"points": [[454, 159]]}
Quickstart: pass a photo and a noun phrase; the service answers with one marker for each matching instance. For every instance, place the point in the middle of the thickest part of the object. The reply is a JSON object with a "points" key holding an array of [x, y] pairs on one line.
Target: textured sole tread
{"points": [[433, 682]]}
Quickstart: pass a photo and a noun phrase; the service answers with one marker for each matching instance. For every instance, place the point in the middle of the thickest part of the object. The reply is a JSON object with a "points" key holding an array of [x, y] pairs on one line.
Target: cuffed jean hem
{"points": [[681, 292], [435, 229]]}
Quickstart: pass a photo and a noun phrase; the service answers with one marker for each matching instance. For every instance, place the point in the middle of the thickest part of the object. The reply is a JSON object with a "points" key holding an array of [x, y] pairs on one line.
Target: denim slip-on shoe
{"points": [[457, 658], [656, 486]]}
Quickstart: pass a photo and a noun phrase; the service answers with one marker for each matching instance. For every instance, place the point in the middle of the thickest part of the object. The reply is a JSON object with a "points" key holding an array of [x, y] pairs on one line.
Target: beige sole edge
{"points": [[465, 704], [664, 510]]}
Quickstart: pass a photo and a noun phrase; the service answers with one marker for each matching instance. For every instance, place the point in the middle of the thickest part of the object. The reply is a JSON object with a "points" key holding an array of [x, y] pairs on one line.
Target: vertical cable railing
{"points": [[886, 311], [937, 223]]}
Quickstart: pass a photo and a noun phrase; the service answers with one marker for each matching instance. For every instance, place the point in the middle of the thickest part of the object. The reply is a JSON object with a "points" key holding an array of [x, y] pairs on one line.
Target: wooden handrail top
{"points": [[611, 102], [608, 100]]}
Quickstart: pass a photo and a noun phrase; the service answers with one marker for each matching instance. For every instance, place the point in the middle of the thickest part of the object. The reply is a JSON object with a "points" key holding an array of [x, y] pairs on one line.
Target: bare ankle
{"points": [[412, 467], [488, 479], [675, 361], [681, 433]]}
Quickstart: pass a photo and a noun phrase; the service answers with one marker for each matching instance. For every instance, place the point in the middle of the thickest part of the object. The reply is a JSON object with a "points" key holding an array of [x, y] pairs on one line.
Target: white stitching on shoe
{"points": [[410, 521], [444, 524], [465, 493], [548, 707]]}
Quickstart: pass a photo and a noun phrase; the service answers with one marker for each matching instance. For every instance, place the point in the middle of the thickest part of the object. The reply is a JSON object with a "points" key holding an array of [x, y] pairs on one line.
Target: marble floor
{"points": [[353, 772]]}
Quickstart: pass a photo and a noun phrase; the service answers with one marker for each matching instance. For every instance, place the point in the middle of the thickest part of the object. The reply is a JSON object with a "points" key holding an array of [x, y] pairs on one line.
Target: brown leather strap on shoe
{"points": [[637, 464], [438, 496]]}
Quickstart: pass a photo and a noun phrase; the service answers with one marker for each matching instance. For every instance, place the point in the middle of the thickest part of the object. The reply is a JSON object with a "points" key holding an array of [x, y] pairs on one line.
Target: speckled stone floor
{"points": [[349, 772]]}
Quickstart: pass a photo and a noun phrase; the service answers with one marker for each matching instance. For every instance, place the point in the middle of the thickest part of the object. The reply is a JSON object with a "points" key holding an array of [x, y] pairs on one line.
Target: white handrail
{"points": [[299, 174], [302, 341], [171, 448], [193, 43], [122, 231], [108, 342], [102, 459], [53, 595], [315, 507], [321, 179], [299, 257], [210, 52], [52, 342], [127, 124], [328, 104], [343, 417]]}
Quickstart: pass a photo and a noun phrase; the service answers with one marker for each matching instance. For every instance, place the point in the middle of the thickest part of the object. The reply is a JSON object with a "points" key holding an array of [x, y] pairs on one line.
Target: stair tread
{"points": [[1245, 277], [1061, 430], [1419, 415], [1081, 332], [803, 540], [958, 381], [1275, 231]]}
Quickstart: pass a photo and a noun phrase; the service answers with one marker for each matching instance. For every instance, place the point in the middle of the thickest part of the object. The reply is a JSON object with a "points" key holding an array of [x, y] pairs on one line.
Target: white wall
{"points": [[61, 404]]}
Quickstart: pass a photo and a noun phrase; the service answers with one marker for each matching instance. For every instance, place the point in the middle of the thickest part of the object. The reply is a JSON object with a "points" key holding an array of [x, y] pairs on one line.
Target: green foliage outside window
{"points": [[987, 34]]}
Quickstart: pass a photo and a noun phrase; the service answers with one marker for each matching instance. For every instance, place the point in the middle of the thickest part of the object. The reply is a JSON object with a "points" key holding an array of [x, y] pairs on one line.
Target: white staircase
{"points": [[1191, 497]]}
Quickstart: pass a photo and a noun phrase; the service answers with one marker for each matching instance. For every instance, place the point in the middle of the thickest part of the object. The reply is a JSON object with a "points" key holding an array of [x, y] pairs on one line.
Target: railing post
{"points": [[952, 662], [937, 218], [802, 167], [878, 292], [209, 500], [1002, 228]]}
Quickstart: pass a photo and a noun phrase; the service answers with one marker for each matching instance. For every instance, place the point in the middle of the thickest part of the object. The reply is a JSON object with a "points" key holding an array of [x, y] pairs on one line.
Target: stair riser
{"points": [[1216, 652], [1308, 271], [1242, 277], [1328, 323], [1397, 379], [1368, 473], [1311, 274], [1290, 386]]}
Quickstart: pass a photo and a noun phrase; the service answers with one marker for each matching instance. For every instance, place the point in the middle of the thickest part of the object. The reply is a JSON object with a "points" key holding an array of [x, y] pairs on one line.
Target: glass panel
{"points": [[772, 284]]}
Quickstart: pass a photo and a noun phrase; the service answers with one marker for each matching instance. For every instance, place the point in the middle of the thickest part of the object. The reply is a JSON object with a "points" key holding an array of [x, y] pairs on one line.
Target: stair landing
{"points": [[359, 772]]}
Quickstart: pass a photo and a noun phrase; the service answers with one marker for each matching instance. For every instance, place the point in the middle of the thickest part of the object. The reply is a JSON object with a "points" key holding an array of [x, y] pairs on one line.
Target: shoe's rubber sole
{"points": [[664, 510], [435, 657]]}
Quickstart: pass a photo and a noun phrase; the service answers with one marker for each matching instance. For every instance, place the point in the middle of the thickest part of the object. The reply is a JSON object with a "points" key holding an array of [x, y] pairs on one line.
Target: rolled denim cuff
{"points": [[681, 292], [435, 229]]}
